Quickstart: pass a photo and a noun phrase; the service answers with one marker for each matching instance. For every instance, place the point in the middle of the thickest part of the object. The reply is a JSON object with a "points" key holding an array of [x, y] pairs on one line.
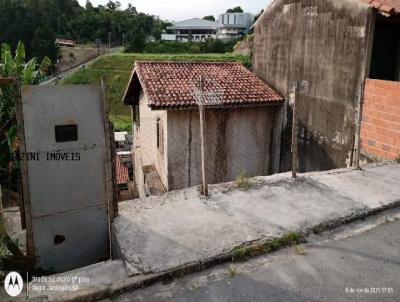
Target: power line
{"points": [[66, 21]]}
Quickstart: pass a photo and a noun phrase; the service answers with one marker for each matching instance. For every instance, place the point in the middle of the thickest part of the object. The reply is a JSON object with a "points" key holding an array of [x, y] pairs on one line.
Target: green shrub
{"points": [[209, 46]]}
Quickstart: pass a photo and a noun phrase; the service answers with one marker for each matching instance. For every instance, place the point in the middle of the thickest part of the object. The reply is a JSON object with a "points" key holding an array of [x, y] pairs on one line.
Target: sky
{"points": [[176, 10]]}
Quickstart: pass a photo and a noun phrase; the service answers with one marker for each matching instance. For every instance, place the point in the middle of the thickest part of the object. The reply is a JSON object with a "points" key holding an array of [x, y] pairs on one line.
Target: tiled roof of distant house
{"points": [[386, 6], [121, 171], [173, 84]]}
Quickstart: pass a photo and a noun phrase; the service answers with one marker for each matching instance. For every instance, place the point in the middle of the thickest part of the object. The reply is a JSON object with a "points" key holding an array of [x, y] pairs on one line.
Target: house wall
{"points": [[380, 126], [322, 44], [145, 144], [237, 140]]}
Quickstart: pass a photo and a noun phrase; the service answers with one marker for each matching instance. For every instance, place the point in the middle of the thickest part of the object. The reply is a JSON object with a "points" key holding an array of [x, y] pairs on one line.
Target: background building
{"points": [[195, 30], [229, 26], [234, 25]]}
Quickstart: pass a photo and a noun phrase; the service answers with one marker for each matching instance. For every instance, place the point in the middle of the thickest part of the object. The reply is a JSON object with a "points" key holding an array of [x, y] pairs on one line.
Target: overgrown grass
{"points": [[3, 247], [232, 271], [125, 61], [121, 122], [116, 70], [298, 249], [243, 182], [243, 253]]}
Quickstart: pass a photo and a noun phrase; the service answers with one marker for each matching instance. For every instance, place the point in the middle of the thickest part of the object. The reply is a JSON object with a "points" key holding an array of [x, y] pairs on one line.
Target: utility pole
{"points": [[109, 41], [123, 40], [357, 141], [203, 147], [203, 140], [293, 97], [203, 99]]}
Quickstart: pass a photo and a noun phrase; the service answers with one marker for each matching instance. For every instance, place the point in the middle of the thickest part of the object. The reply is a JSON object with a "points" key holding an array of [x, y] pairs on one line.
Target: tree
{"points": [[158, 27], [258, 15], [209, 18], [89, 5], [111, 5], [236, 9], [44, 44], [21, 20], [131, 9], [135, 38]]}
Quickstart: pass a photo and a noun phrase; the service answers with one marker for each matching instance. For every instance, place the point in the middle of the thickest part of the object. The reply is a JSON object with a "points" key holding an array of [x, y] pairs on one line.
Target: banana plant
{"points": [[27, 73]]}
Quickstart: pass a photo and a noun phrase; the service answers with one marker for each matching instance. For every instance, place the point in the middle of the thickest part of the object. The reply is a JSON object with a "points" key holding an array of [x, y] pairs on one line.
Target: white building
{"points": [[234, 25], [195, 30], [122, 141], [229, 26]]}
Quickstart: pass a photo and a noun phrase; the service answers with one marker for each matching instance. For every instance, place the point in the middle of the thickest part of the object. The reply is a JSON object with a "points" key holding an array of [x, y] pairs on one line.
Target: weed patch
{"points": [[318, 229], [243, 253], [243, 182], [232, 271], [298, 249]]}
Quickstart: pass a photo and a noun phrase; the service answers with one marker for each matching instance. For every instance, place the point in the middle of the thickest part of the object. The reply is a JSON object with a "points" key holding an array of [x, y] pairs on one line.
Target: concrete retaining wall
{"points": [[323, 44]]}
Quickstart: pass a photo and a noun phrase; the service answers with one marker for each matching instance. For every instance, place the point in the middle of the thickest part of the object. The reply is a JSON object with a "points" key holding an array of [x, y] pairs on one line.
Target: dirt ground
{"points": [[72, 56]]}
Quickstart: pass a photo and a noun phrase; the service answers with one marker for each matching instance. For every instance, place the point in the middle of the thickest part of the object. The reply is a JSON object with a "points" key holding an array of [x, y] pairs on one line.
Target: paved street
{"points": [[367, 258], [65, 74]]}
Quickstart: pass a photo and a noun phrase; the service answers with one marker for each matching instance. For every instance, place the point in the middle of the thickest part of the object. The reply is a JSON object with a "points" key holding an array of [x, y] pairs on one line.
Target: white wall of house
{"points": [[168, 37], [146, 152]]}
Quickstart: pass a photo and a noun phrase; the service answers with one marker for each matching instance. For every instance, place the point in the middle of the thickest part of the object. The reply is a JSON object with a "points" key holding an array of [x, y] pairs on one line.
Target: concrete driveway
{"points": [[361, 266], [161, 233]]}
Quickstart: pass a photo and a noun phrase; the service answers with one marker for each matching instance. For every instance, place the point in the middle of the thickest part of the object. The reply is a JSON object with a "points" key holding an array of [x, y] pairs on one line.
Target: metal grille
{"points": [[206, 94]]}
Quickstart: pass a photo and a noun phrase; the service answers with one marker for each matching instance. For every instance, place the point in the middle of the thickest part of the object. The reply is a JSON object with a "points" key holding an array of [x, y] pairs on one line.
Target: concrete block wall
{"points": [[321, 44], [380, 126]]}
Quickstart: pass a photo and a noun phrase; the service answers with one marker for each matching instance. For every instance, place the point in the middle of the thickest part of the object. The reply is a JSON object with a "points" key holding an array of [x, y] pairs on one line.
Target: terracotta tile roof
{"points": [[172, 84], [386, 6], [121, 171]]}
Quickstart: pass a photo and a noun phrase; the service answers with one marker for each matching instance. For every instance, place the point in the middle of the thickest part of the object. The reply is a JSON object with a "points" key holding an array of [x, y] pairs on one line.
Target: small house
{"points": [[193, 30], [65, 42], [241, 118]]}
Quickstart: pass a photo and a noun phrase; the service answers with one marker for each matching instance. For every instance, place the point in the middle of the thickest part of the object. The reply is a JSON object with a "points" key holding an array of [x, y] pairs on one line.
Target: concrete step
{"points": [[153, 180]]}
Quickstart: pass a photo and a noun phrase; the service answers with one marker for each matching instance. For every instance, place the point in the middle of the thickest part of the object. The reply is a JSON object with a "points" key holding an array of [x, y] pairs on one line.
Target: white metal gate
{"points": [[66, 172]]}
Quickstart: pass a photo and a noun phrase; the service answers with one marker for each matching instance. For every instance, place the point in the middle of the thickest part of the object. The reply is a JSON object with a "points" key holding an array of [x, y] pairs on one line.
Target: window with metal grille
{"points": [[160, 137]]}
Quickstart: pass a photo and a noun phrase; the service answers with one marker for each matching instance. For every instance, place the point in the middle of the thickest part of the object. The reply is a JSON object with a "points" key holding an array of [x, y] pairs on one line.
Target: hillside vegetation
{"points": [[116, 70]]}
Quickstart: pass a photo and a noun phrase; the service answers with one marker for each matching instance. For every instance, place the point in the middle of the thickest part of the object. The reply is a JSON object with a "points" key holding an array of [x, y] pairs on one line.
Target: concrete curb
{"points": [[361, 214], [138, 282]]}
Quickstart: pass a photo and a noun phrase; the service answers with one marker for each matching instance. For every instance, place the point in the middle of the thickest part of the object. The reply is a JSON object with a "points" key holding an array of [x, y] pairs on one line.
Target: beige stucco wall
{"points": [[145, 143], [237, 140]]}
